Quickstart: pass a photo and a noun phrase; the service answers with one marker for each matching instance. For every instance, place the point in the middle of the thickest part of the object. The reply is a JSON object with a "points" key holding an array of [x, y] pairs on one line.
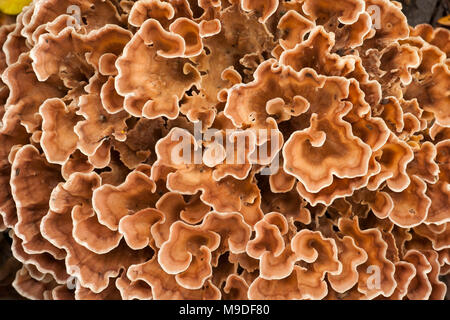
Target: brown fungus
{"points": [[254, 149]]}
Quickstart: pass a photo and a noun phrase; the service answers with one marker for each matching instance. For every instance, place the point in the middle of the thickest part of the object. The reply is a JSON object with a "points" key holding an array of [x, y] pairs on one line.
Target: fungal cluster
{"points": [[336, 184]]}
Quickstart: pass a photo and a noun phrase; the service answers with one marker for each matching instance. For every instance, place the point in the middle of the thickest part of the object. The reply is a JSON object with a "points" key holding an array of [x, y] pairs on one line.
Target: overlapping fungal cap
{"points": [[254, 149]]}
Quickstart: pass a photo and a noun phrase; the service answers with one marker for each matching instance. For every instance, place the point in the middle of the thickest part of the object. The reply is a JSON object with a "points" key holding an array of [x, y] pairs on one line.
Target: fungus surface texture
{"points": [[223, 149]]}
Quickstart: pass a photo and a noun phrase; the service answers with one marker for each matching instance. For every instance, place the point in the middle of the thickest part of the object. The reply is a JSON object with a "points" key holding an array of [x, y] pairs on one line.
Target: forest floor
{"points": [[425, 11]]}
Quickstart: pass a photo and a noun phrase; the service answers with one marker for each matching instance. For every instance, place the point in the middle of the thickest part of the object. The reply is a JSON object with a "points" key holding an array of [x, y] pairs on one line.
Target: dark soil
{"points": [[425, 11]]}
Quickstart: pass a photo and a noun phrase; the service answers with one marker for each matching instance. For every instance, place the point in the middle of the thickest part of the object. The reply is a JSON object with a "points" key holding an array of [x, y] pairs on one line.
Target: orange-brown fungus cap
{"points": [[240, 149]]}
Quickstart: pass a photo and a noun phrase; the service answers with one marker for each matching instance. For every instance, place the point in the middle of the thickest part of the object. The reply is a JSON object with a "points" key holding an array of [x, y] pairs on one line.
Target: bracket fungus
{"points": [[254, 149]]}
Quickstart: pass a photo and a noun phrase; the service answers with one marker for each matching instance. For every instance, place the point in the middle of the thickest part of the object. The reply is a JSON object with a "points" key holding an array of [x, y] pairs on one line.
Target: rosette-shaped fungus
{"points": [[255, 149]]}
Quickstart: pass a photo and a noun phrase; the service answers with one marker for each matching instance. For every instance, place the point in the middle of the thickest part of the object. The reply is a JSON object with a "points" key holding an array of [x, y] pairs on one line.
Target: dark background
{"points": [[425, 11]]}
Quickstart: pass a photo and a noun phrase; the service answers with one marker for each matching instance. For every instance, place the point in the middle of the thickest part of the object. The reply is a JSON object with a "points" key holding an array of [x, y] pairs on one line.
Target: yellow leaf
{"points": [[13, 7], [445, 21]]}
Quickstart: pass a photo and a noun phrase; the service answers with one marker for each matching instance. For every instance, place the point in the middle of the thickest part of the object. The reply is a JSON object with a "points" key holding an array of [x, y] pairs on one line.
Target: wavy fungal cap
{"points": [[223, 149]]}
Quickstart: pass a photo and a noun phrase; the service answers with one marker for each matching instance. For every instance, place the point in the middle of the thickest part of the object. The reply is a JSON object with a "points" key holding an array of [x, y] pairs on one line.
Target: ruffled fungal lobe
{"points": [[254, 149]]}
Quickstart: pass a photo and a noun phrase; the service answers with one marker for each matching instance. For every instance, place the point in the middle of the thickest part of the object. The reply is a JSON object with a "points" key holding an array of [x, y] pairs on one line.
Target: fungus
{"points": [[223, 150]]}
